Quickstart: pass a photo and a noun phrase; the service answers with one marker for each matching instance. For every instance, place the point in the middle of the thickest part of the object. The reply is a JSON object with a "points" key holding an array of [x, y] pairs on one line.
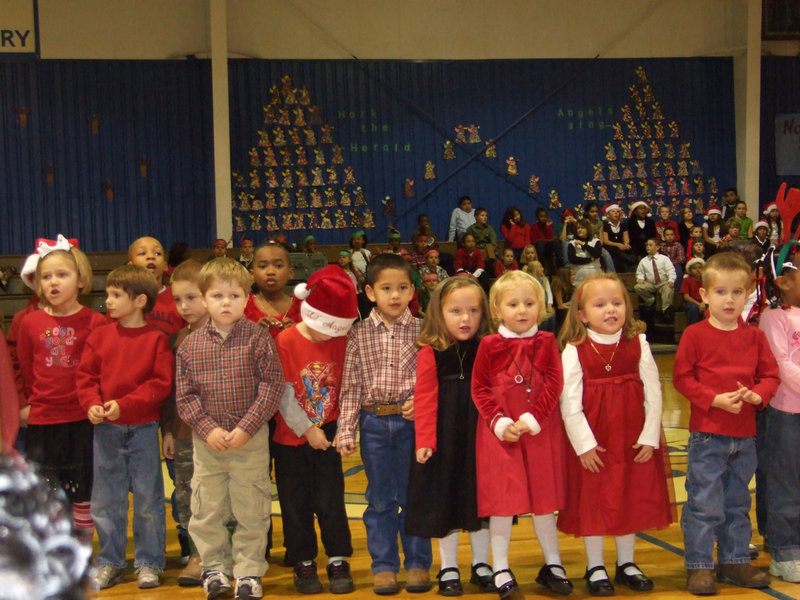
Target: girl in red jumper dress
{"points": [[442, 493], [271, 306], [520, 440], [611, 406]]}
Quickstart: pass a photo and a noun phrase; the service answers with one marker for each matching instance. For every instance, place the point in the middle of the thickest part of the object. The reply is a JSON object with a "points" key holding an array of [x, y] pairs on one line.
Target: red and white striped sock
{"points": [[82, 516]]}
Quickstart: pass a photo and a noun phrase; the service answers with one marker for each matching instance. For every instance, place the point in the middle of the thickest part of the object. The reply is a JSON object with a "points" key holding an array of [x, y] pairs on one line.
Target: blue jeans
{"points": [[782, 470], [127, 457], [718, 499], [692, 311], [387, 445]]}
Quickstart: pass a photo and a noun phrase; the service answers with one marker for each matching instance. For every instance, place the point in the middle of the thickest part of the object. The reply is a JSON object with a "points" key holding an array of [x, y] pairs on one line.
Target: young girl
{"points": [[616, 240], [712, 229], [584, 251], [49, 347], [521, 447], [773, 218], [506, 263], [563, 286], [271, 306], [442, 489], [781, 325], [537, 272], [432, 265], [527, 258], [685, 226], [358, 250], [611, 406], [640, 227], [356, 276], [515, 230]]}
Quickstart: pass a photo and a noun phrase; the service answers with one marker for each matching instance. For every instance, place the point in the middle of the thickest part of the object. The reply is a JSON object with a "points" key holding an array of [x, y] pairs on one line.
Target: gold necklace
{"points": [[460, 361], [610, 360]]}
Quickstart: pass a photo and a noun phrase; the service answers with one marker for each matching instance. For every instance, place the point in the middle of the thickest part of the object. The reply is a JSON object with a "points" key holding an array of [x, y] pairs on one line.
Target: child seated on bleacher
{"points": [[693, 304], [655, 275]]}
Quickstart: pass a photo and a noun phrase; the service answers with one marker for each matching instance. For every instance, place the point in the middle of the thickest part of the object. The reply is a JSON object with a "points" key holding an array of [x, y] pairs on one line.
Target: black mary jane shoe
{"points": [[450, 587], [554, 582], [509, 590], [485, 583], [599, 587], [638, 582]]}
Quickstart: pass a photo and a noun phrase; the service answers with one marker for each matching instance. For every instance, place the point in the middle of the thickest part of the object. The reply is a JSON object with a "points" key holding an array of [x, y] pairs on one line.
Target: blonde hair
{"points": [[511, 280], [223, 269], [573, 331], [524, 250], [434, 330], [725, 263], [81, 265]]}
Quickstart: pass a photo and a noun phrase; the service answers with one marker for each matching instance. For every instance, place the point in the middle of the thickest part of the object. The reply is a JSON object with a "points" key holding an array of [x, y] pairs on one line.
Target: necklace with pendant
{"points": [[519, 378], [460, 361], [610, 360]]}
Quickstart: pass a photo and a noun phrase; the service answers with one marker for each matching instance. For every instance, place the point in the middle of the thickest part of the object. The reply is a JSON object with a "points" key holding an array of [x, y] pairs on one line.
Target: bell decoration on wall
{"points": [[143, 162], [94, 122], [49, 174], [22, 115], [108, 188]]}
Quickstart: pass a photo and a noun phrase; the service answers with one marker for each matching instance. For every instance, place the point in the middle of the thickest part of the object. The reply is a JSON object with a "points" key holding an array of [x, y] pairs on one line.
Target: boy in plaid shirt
{"points": [[229, 384], [380, 371]]}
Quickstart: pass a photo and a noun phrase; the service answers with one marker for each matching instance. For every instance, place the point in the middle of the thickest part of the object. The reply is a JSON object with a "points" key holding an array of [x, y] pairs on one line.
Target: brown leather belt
{"points": [[382, 409]]}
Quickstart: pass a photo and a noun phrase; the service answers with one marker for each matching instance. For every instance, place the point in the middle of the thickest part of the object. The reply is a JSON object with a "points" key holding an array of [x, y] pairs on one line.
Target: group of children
{"points": [[459, 428]]}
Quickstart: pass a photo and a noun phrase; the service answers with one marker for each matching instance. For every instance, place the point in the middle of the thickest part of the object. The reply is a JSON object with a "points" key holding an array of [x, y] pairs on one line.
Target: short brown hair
{"points": [[223, 269], [188, 270], [134, 280], [725, 263]]}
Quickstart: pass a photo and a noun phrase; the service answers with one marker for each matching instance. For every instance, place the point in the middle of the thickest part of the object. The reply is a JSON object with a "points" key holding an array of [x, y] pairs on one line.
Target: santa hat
{"points": [[639, 203], [713, 210], [43, 248], [609, 207], [329, 301], [769, 208], [760, 224], [567, 212], [694, 261]]}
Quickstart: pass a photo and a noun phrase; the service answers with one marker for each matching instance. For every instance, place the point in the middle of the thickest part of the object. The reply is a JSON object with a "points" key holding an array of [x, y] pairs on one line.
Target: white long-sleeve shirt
{"points": [[666, 270]]}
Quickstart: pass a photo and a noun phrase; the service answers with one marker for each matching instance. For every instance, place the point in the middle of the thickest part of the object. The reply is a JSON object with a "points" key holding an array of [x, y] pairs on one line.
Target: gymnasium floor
{"points": [[659, 553]]}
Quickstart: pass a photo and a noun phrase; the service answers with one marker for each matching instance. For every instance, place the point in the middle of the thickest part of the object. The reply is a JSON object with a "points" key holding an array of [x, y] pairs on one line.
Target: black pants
{"points": [[311, 482]]}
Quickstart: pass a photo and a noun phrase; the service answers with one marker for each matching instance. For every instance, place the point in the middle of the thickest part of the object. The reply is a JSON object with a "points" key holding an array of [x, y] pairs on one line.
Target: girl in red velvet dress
{"points": [[271, 306], [611, 406], [520, 441], [442, 493]]}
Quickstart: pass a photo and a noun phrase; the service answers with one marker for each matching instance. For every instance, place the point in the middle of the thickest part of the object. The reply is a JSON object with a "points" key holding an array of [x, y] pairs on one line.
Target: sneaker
{"points": [[148, 577], [753, 550], [339, 577], [306, 580], [183, 540], [215, 584], [192, 575], [248, 588], [744, 575], [788, 570], [107, 577]]}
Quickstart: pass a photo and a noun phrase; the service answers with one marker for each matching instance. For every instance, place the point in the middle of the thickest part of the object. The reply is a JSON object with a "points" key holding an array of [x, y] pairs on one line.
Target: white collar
{"points": [[604, 338], [507, 333]]}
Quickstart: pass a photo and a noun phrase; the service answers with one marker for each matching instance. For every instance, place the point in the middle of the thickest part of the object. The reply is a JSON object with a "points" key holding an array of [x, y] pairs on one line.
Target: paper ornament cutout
{"points": [[430, 170], [461, 137], [408, 188], [511, 169], [491, 149], [555, 200], [449, 152], [533, 184], [474, 134]]}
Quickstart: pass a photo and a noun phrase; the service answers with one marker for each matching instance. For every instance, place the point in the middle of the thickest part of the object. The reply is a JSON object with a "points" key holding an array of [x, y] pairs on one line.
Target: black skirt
{"points": [[64, 454]]}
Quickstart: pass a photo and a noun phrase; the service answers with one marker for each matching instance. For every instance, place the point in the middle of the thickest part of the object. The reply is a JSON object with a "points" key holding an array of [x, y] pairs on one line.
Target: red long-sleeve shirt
{"points": [[517, 236]]}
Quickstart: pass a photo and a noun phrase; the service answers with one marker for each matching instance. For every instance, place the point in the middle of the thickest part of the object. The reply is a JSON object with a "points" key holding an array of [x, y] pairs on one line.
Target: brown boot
{"points": [[385, 583], [701, 582], [744, 575], [192, 574], [418, 581]]}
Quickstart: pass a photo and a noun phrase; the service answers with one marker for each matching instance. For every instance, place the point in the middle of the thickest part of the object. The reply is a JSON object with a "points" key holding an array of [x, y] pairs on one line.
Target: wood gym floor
{"points": [[658, 553]]}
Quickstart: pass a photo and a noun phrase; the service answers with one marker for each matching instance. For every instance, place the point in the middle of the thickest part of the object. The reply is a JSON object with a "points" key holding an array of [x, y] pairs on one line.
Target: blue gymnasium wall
{"points": [[160, 110], [391, 117], [780, 93]]}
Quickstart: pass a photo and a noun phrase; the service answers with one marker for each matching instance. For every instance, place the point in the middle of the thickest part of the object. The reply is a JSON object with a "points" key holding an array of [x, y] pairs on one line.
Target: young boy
{"points": [[309, 475], [727, 372], [309, 244], [420, 248], [761, 235], [745, 222], [665, 223], [462, 217], [124, 376], [693, 304], [655, 275], [394, 244], [220, 249], [246, 253], [672, 249], [148, 252], [469, 259], [379, 378], [177, 435], [731, 198], [429, 283], [484, 234], [229, 384]]}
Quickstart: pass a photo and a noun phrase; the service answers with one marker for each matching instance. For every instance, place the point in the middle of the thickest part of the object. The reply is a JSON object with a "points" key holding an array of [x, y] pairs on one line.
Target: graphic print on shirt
{"points": [[794, 346], [320, 389], [59, 342]]}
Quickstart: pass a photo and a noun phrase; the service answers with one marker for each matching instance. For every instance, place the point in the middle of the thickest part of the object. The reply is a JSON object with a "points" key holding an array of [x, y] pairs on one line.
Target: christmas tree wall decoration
{"points": [[297, 178], [647, 159]]}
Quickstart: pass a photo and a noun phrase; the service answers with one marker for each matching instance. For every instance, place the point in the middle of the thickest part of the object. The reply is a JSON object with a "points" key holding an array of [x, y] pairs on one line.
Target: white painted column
{"points": [[752, 133], [218, 28]]}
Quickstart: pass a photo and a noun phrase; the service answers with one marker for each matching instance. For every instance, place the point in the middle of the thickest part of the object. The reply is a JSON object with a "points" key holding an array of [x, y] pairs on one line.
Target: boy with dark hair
{"points": [[125, 373], [229, 384], [484, 234], [148, 253], [460, 219], [727, 372], [377, 394], [731, 197]]}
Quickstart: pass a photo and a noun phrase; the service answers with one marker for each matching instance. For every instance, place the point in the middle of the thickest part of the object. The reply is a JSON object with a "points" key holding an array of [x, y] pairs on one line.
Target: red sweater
{"points": [[9, 408], [49, 350], [134, 366], [710, 361], [537, 235], [469, 262], [315, 371], [165, 316], [500, 268], [517, 236], [255, 314], [663, 225]]}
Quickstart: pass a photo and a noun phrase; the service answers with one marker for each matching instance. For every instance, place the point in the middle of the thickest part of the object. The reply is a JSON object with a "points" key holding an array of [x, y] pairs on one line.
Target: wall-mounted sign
{"points": [[787, 144], [17, 27]]}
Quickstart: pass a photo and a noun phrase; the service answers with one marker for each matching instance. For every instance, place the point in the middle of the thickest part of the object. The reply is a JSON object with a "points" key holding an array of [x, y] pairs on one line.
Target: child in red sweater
{"points": [[727, 371], [124, 376], [147, 252], [308, 469]]}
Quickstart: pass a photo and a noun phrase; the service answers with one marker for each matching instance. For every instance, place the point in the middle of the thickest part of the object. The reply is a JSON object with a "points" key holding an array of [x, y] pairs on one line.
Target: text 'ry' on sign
{"points": [[17, 27]]}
